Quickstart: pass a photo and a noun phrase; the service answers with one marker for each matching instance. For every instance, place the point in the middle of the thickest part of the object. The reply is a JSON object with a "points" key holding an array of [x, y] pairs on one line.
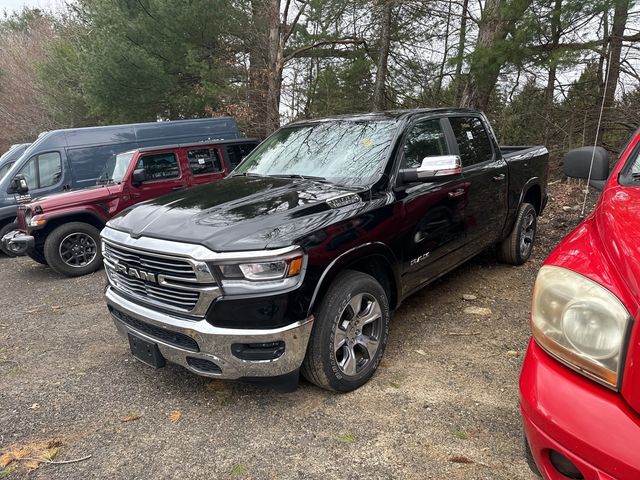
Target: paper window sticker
{"points": [[469, 135], [201, 161]]}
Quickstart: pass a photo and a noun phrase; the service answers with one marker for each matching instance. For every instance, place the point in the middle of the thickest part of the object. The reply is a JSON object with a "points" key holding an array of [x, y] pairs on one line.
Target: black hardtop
{"points": [[196, 144]]}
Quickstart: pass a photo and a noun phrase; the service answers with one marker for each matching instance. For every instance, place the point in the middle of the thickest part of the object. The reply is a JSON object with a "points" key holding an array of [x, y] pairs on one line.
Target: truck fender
{"points": [[532, 182], [87, 216], [353, 256]]}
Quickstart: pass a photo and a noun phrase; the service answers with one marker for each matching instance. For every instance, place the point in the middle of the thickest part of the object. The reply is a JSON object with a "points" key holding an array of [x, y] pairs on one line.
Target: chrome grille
{"points": [[173, 283], [174, 267]]}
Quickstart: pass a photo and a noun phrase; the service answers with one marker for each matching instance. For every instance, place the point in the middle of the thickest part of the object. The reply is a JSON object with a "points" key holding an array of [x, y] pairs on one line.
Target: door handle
{"points": [[456, 193], [499, 178]]}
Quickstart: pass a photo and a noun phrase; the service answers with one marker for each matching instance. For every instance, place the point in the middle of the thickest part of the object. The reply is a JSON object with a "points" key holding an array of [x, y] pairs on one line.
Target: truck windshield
{"points": [[343, 152], [115, 169]]}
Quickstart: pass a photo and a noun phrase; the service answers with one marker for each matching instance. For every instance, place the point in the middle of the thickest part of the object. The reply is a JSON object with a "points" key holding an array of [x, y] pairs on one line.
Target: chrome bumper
{"points": [[18, 243], [215, 343]]}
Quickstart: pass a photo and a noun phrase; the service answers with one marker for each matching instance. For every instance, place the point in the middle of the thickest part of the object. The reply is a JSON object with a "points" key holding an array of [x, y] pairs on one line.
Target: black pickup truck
{"points": [[296, 261]]}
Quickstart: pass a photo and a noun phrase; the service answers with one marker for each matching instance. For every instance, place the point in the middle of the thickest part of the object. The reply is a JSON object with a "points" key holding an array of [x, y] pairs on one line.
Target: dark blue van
{"points": [[68, 159], [10, 156]]}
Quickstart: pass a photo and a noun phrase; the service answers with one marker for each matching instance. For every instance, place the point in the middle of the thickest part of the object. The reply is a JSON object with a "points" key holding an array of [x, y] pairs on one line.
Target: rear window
{"points": [[473, 140], [159, 166], [204, 160]]}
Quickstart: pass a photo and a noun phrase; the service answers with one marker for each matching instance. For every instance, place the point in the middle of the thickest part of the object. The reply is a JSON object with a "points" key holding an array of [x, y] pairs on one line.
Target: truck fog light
{"points": [[592, 330]]}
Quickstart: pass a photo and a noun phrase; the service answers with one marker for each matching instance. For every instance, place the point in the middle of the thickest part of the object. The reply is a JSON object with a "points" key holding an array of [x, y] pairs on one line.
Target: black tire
{"points": [[37, 255], [516, 249], [3, 231], [329, 365], [80, 242], [529, 458]]}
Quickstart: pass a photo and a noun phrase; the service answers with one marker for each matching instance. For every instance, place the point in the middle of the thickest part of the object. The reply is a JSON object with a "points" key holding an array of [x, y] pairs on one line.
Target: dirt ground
{"points": [[443, 405]]}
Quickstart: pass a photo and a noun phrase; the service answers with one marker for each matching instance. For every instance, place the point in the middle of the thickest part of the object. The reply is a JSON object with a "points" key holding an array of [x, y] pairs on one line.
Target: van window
{"points": [[44, 170], [204, 160], [473, 140], [5, 168], [159, 166]]}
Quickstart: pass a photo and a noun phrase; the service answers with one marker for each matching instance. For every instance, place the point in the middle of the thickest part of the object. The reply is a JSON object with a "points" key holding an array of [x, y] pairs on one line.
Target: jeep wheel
{"points": [[517, 247], [73, 249], [3, 231], [349, 333]]}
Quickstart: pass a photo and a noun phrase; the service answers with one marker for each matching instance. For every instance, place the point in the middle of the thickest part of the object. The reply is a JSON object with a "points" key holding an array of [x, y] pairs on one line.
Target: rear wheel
{"points": [[349, 334], [3, 231], [73, 249], [518, 246]]}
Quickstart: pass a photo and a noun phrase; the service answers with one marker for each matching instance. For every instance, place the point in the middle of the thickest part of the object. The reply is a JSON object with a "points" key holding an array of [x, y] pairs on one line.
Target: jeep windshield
{"points": [[340, 151], [115, 169]]}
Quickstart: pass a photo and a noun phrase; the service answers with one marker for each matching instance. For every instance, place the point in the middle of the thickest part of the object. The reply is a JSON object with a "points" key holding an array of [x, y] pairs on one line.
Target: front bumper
{"points": [[214, 343], [585, 422], [18, 243]]}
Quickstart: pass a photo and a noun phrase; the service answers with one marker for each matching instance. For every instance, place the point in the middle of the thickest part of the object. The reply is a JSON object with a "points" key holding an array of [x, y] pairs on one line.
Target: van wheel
{"points": [[37, 255], [349, 334], [9, 227], [517, 247], [73, 249]]}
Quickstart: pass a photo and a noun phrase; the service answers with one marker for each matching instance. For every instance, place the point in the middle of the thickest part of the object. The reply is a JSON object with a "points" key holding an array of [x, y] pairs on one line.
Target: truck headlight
{"points": [[274, 274], [580, 323]]}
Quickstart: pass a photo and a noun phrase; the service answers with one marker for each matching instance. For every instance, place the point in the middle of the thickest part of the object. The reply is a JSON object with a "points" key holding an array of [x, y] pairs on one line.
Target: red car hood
{"points": [[606, 248], [76, 197]]}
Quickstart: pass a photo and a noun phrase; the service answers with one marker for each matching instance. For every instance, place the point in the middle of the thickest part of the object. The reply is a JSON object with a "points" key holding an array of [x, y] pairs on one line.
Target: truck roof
{"points": [[385, 115], [195, 144]]}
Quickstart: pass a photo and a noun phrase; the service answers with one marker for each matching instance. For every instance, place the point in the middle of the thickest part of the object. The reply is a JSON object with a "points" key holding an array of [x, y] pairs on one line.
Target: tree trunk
{"points": [[258, 68], [445, 54], [275, 67], [553, 68], [498, 19], [379, 91], [461, 45], [620, 15]]}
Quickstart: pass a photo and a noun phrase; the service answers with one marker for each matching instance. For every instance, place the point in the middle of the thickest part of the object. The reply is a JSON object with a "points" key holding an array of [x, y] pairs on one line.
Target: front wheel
{"points": [[73, 249], [9, 227], [518, 246], [349, 334]]}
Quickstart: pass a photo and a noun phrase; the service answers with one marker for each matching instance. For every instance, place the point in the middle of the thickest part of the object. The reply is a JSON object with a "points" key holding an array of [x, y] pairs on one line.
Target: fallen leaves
{"points": [[131, 417], [175, 416], [482, 311], [29, 456], [460, 459]]}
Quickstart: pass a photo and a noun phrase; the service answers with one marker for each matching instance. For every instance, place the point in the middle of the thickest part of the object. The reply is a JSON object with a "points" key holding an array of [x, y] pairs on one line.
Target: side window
{"points": [[159, 166], [425, 139], [43, 170], [473, 140], [204, 160], [49, 169], [236, 153]]}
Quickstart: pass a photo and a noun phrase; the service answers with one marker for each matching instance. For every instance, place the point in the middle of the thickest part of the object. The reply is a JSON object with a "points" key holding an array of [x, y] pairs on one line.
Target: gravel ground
{"points": [[443, 404]]}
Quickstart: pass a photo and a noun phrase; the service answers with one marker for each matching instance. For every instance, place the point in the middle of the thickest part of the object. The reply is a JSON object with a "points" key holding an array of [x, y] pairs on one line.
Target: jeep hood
{"points": [[240, 213], [76, 197]]}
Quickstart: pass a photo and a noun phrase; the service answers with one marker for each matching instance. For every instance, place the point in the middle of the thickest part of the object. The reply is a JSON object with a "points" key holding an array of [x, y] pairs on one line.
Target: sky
{"points": [[10, 5]]}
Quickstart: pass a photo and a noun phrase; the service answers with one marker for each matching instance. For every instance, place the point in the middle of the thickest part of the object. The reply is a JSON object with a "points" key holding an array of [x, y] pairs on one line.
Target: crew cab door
{"points": [[162, 176], [486, 176], [432, 212]]}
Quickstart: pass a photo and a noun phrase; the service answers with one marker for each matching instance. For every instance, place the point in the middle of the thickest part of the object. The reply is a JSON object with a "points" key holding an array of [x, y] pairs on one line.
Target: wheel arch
{"points": [[375, 259], [85, 216]]}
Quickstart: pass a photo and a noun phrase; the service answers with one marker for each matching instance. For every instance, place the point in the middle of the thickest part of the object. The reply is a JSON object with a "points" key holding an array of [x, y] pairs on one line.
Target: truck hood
{"points": [[240, 213], [76, 197]]}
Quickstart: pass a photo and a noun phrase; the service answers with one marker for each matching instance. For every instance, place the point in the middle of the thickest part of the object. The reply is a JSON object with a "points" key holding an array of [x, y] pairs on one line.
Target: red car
{"points": [[63, 230], [580, 382]]}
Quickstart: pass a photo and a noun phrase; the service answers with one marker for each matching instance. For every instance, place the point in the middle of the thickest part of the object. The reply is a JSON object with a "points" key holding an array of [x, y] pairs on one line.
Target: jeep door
{"points": [[162, 176]]}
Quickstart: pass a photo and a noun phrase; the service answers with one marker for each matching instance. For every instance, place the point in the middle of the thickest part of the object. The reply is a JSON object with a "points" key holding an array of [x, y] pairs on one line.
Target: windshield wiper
{"points": [[302, 177]]}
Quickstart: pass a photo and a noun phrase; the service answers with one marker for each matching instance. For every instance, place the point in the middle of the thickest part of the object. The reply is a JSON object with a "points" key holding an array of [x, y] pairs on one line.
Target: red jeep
{"points": [[63, 230]]}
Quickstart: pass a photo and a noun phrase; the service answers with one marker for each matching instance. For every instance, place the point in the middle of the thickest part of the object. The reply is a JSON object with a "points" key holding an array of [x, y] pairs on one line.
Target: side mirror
{"points": [[577, 164], [442, 167], [139, 176], [19, 185]]}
